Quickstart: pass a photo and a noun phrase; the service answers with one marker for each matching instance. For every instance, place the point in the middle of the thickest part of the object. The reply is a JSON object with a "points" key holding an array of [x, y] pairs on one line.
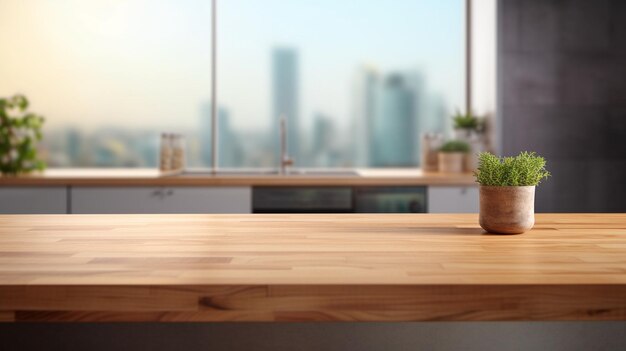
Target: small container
{"points": [[165, 156], [178, 152], [451, 162], [476, 142], [507, 209], [430, 144]]}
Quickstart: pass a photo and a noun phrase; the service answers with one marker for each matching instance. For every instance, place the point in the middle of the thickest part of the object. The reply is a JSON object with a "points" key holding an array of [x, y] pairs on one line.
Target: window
{"points": [[356, 81], [108, 75]]}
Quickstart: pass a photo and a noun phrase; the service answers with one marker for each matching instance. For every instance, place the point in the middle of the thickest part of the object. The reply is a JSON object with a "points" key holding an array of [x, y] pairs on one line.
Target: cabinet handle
{"points": [[158, 193], [170, 192]]}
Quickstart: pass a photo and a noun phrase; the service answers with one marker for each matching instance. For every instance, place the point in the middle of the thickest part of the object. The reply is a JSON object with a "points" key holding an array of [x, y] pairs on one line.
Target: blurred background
{"points": [[357, 81]]}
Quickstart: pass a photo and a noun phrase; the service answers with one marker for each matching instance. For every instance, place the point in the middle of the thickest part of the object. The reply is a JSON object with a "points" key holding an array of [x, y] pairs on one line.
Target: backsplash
{"points": [[562, 93]]}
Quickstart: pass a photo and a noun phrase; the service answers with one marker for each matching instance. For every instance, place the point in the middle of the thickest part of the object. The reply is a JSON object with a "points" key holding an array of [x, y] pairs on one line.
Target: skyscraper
{"points": [[394, 132], [285, 99], [323, 144], [363, 108], [229, 152], [390, 112]]}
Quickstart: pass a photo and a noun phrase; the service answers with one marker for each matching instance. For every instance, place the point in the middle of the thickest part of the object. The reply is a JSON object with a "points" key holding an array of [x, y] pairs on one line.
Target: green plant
{"points": [[19, 133], [455, 146], [525, 169], [465, 121]]}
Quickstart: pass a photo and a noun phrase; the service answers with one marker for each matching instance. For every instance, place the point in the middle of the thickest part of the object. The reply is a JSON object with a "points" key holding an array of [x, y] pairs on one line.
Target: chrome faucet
{"points": [[285, 160]]}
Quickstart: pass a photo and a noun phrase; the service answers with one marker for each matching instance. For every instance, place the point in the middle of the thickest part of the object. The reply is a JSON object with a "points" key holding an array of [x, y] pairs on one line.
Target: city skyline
{"points": [[390, 111], [103, 63], [104, 66]]}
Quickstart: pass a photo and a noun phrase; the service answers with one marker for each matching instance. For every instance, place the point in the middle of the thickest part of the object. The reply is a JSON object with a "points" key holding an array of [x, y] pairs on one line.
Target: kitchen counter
{"points": [[309, 268], [152, 177]]}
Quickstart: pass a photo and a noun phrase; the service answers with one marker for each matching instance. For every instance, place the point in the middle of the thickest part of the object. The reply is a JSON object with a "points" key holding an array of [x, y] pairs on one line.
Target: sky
{"points": [[146, 63]]}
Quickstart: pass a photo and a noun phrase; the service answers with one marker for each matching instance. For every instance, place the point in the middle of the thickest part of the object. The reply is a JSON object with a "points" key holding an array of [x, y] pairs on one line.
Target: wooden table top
{"points": [[394, 267], [152, 177]]}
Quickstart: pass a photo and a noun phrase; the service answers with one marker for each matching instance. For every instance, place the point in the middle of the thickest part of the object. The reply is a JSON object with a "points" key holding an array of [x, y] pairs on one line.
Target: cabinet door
{"points": [[208, 200], [453, 199], [161, 200], [33, 200]]}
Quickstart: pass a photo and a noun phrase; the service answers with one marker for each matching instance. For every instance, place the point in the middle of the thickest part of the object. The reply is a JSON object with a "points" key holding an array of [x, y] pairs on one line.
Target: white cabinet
{"points": [[33, 200], [453, 199], [161, 200], [60, 199]]}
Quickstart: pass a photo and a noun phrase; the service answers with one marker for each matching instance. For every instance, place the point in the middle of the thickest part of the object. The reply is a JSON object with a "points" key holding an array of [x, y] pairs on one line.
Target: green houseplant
{"points": [[452, 155], [507, 191], [465, 121], [20, 131], [470, 128]]}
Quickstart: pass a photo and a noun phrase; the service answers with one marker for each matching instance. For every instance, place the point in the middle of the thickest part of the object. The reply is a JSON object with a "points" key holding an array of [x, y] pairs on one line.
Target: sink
{"points": [[324, 172], [295, 172], [206, 172]]}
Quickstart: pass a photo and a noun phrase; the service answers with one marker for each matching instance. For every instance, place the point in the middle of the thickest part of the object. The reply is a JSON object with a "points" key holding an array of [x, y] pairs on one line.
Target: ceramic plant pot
{"points": [[451, 162], [507, 209]]}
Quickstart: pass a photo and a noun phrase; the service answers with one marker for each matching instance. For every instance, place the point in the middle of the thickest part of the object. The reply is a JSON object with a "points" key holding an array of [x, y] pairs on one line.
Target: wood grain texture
{"points": [[152, 177], [309, 268]]}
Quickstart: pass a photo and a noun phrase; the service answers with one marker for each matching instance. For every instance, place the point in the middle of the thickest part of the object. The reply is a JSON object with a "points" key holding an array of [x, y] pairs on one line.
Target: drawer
{"points": [[161, 200], [453, 199], [33, 200]]}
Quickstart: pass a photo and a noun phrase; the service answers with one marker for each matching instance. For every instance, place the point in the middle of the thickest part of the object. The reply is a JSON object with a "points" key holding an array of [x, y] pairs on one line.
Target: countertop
{"points": [[152, 177], [396, 267]]}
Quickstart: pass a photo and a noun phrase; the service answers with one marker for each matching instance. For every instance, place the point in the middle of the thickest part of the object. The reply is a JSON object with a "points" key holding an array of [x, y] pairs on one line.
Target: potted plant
{"points": [[470, 128], [466, 126], [19, 133], [507, 191], [452, 156]]}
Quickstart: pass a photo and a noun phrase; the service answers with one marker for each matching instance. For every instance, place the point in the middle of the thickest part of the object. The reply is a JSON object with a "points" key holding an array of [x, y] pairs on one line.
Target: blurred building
{"points": [[386, 119], [285, 99], [229, 151], [436, 115], [323, 142], [74, 147], [394, 137], [390, 112], [363, 108]]}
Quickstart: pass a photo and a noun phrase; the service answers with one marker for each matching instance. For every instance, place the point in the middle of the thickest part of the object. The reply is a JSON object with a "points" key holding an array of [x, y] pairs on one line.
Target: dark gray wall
{"points": [[562, 93]]}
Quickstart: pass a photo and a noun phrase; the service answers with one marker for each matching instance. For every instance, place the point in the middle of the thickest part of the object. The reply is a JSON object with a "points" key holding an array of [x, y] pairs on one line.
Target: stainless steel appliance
{"points": [[390, 200], [339, 200]]}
